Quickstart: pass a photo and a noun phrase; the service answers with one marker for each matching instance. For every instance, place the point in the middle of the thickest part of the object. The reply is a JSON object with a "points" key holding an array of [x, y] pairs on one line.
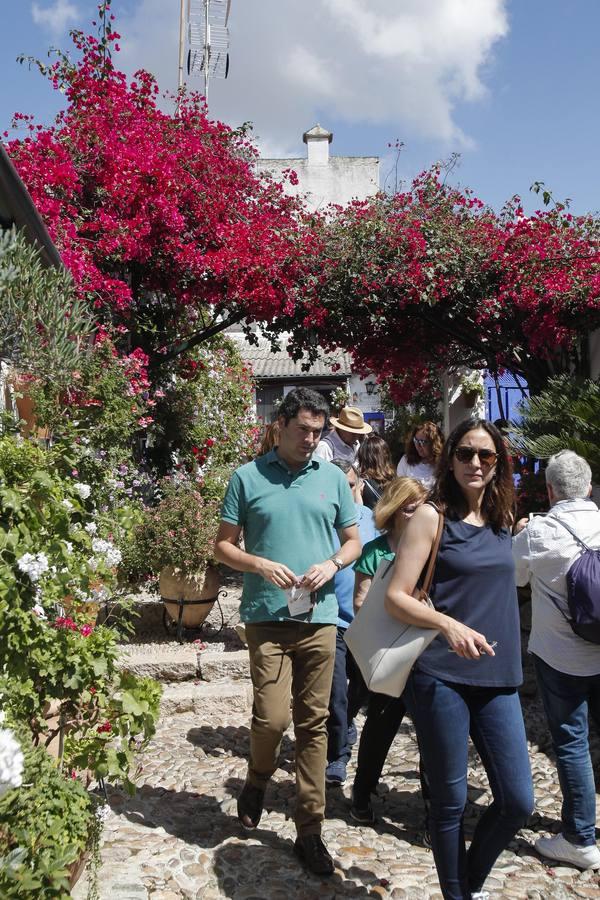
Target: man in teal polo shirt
{"points": [[289, 505]]}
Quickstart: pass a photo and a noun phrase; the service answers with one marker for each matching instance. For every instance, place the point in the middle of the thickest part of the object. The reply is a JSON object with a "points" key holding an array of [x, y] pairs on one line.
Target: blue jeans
{"points": [[347, 695], [568, 701], [445, 715]]}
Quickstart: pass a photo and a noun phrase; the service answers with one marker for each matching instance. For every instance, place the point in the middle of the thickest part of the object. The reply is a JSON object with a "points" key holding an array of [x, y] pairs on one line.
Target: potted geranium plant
{"points": [[175, 541]]}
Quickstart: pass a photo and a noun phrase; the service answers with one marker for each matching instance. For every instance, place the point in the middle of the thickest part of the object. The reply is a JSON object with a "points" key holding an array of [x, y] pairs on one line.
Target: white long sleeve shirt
{"points": [[543, 553]]}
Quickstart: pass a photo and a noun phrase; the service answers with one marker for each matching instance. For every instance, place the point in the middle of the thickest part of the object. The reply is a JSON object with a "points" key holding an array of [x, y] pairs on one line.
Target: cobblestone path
{"points": [[179, 836]]}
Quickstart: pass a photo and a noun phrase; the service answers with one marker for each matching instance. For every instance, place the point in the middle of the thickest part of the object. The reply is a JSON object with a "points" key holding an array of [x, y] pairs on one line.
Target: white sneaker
{"points": [[480, 895], [562, 850]]}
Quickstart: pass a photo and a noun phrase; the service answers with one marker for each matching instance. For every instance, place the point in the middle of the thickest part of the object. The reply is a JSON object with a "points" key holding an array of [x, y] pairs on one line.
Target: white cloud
{"points": [[57, 17], [404, 65]]}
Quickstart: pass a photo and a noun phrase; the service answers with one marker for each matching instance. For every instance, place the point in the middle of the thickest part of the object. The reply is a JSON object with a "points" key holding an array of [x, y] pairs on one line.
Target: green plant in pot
{"points": [[472, 388], [175, 541]]}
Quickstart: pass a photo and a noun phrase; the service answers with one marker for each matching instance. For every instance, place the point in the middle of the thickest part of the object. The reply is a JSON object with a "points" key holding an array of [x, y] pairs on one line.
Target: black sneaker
{"points": [[311, 850], [250, 805], [361, 810], [364, 815]]}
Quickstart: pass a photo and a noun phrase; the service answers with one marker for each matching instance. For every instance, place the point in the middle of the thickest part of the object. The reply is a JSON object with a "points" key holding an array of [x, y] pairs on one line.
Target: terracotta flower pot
{"points": [[76, 868], [471, 397], [52, 717], [25, 409], [203, 586]]}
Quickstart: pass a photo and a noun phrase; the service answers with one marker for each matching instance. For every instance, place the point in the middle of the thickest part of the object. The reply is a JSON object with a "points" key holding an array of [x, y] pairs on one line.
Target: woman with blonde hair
{"points": [[400, 500], [421, 454], [375, 467]]}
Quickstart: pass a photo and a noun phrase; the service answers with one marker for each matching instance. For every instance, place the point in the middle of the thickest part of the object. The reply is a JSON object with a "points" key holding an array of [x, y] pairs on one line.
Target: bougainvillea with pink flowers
{"points": [[171, 234], [431, 279], [160, 216]]}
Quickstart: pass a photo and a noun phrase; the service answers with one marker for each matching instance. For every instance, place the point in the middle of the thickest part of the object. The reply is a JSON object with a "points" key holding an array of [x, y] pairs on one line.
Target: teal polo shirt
{"points": [[289, 517]]}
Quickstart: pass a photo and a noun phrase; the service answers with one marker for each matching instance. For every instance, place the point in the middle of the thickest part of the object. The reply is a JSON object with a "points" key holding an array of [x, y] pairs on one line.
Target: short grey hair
{"points": [[569, 475]]}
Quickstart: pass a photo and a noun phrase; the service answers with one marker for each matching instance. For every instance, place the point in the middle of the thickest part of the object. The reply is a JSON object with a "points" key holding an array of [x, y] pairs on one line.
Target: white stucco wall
{"points": [[338, 179]]}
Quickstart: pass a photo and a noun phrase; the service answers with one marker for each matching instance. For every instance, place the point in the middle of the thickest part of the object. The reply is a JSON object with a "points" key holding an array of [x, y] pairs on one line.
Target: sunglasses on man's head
{"points": [[421, 442], [486, 457]]}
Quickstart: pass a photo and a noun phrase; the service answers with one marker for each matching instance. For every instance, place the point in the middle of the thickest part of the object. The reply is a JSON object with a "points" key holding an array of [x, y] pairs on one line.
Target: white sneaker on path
{"points": [[562, 850]]}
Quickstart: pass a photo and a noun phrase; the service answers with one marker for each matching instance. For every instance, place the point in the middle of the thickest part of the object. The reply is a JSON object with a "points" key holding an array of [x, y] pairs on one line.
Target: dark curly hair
{"points": [[499, 498], [435, 435]]}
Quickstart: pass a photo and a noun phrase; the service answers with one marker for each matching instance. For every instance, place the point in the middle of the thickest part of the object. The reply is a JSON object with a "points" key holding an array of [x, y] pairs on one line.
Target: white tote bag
{"points": [[384, 648]]}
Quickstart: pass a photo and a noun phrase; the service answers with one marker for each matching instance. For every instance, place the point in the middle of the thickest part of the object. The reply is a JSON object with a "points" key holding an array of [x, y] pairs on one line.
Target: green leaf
{"points": [[99, 665], [131, 705]]}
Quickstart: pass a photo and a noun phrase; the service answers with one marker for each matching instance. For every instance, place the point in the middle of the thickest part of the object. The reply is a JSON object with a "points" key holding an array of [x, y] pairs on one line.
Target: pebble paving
{"points": [[179, 836]]}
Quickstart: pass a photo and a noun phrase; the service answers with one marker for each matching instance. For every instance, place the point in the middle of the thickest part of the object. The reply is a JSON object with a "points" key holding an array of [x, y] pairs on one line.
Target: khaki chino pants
{"points": [[292, 659]]}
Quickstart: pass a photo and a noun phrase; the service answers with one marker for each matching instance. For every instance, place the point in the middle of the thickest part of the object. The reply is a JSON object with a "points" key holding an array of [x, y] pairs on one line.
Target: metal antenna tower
{"points": [[208, 37]]}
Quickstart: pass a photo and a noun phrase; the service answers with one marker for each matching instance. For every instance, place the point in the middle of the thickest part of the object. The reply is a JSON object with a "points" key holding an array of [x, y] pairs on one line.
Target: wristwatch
{"points": [[338, 562]]}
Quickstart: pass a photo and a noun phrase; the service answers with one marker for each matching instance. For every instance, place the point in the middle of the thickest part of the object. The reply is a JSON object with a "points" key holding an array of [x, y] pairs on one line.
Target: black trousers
{"points": [[384, 717]]}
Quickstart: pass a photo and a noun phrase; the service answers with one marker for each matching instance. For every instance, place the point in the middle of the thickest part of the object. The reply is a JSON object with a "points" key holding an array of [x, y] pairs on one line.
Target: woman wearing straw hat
{"points": [[343, 440]]}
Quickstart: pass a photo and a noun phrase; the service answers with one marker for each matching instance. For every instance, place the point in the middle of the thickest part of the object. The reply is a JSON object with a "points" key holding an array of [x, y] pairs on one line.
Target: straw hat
{"points": [[351, 419]]}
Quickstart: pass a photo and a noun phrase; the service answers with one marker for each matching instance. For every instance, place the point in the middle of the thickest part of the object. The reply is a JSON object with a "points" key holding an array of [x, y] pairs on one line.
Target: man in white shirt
{"points": [[567, 667], [344, 439]]}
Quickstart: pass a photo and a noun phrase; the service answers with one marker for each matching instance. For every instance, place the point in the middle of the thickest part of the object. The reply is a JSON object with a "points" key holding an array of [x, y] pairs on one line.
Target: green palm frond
{"points": [[565, 416]]}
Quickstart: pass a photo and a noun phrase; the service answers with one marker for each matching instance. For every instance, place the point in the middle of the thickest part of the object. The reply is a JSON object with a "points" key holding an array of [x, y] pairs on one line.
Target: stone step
{"points": [[196, 697], [164, 662], [234, 665], [184, 662]]}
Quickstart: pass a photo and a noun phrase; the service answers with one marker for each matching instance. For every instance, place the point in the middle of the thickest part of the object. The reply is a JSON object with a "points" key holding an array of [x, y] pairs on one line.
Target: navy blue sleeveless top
{"points": [[474, 582]]}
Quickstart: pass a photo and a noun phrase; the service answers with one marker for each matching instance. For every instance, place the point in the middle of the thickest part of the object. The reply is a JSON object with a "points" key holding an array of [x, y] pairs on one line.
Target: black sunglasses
{"points": [[486, 457]]}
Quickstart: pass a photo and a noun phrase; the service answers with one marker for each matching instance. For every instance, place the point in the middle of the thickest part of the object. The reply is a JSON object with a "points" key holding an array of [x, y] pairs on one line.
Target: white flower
{"points": [[69, 546], [11, 761], [103, 812], [2, 716], [92, 563], [84, 490], [67, 504], [39, 611], [107, 549], [91, 528], [34, 566]]}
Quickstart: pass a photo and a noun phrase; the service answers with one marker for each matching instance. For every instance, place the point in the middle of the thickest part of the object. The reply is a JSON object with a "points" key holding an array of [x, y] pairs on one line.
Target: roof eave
{"points": [[18, 209]]}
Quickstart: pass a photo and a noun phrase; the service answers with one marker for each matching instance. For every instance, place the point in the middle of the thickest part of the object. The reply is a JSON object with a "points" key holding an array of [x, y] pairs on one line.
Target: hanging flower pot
{"points": [[192, 596], [471, 397]]}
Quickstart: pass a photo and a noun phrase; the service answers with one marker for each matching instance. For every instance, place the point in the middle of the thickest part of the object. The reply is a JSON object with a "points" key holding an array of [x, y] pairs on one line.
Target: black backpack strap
{"points": [[561, 611], [571, 532], [372, 488]]}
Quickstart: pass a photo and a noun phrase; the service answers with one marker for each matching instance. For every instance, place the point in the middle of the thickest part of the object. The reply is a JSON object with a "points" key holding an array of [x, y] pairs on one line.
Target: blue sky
{"points": [[513, 85]]}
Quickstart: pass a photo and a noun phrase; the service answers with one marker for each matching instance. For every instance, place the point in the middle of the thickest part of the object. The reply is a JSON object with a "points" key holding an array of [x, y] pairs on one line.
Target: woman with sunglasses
{"points": [[422, 452], [461, 686], [399, 502]]}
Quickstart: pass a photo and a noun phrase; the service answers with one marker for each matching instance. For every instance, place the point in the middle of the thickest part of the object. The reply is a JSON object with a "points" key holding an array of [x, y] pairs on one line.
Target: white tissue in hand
{"points": [[299, 602]]}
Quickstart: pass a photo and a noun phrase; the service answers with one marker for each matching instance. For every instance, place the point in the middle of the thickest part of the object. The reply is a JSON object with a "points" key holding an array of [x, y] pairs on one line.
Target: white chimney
{"points": [[317, 141]]}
